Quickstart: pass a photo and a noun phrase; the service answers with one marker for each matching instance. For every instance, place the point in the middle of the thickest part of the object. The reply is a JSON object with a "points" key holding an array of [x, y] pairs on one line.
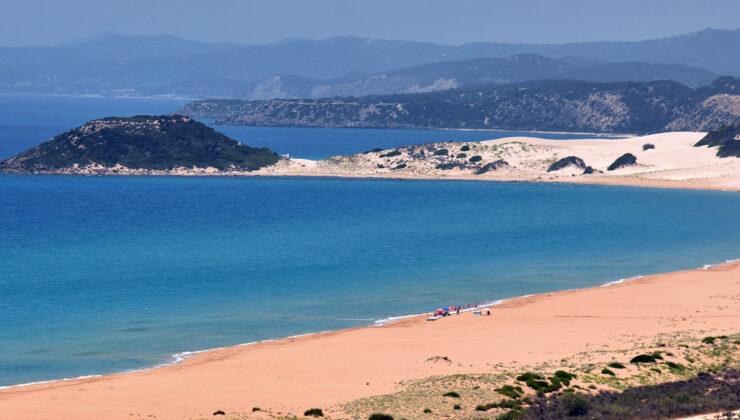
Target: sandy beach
{"points": [[672, 162], [324, 370]]}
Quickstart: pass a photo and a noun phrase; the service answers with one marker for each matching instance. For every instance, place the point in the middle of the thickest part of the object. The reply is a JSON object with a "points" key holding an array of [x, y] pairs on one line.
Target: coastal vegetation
{"points": [[626, 159], [726, 139], [574, 161], [158, 143], [663, 388]]}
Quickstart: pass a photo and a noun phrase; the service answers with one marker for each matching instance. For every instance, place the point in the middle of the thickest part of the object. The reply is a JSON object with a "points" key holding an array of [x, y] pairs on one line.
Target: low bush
{"points": [[465, 148], [376, 150], [457, 407], [616, 365], [705, 393], [626, 159], [450, 165], [427, 410], [510, 415], [575, 404], [391, 154], [656, 370], [607, 371], [510, 391], [441, 152], [476, 158], [676, 366], [492, 166], [452, 394], [643, 358], [564, 376], [314, 412], [254, 409], [647, 146], [524, 377], [461, 155], [399, 166], [380, 416], [708, 340]]}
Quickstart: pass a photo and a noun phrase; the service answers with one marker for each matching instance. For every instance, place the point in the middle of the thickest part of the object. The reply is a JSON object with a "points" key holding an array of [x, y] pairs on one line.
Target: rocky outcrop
{"points": [[139, 145]]}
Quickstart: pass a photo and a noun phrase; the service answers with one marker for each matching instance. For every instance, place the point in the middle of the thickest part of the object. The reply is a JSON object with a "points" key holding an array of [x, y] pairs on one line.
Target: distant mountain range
{"points": [[545, 105], [169, 66]]}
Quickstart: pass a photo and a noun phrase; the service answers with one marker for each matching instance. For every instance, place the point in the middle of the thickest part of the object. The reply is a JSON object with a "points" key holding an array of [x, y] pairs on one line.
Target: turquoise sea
{"points": [[109, 274]]}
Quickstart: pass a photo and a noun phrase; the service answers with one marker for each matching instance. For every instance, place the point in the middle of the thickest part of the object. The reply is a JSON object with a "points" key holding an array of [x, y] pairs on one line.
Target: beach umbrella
{"points": [[452, 308], [439, 311]]}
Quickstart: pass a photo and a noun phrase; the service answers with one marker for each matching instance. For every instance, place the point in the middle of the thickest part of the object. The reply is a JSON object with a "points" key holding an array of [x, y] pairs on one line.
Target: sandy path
{"points": [[320, 370]]}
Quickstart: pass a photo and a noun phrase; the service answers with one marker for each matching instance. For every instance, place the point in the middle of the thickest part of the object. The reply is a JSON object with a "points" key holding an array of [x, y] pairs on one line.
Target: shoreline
{"points": [[179, 357], [193, 359], [611, 181]]}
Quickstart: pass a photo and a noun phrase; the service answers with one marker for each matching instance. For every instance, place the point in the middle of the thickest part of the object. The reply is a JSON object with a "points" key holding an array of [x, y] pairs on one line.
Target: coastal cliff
{"points": [[140, 145]]}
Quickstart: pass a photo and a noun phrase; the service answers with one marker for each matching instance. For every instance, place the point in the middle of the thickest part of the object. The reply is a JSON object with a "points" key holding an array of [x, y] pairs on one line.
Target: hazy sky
{"points": [[51, 22]]}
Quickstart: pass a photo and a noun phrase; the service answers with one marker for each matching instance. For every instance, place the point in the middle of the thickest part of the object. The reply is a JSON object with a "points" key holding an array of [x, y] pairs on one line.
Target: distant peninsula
{"points": [[140, 145], [545, 105]]}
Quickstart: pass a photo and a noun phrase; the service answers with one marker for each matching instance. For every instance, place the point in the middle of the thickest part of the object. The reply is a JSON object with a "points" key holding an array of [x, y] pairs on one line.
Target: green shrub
{"points": [[510, 415], [461, 156], [391, 154], [255, 409], [452, 394], [510, 391], [476, 158], [537, 385], [575, 404], [616, 365], [643, 358], [457, 407], [676, 366], [708, 340], [486, 407], [564, 376], [509, 404], [376, 150], [657, 356], [315, 412], [380, 416], [606, 371], [656, 370], [399, 166], [682, 397], [441, 152], [427, 410], [524, 377], [626, 159], [465, 148]]}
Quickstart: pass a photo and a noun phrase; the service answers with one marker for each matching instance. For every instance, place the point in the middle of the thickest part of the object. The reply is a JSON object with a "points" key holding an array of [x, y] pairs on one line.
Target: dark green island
{"points": [[140, 145]]}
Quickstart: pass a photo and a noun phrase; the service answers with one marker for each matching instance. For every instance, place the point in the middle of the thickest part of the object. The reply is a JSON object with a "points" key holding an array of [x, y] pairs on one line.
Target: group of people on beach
{"points": [[457, 309]]}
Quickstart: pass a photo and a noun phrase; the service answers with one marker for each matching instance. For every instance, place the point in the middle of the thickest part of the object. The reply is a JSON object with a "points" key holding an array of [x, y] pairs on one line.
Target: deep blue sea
{"points": [[108, 274]]}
